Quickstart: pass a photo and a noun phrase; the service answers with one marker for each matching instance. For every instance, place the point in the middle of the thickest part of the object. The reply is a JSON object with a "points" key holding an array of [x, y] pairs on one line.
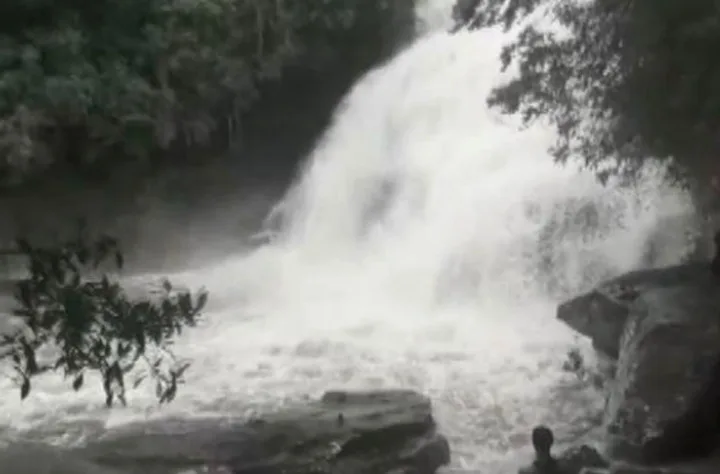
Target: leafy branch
{"points": [[87, 320]]}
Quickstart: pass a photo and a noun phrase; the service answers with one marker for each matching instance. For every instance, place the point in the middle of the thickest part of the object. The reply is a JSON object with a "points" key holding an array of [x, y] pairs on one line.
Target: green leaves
{"points": [[620, 80], [66, 304], [136, 76]]}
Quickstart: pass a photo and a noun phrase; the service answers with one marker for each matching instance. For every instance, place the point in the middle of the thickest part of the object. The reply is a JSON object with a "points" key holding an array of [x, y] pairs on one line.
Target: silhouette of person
{"points": [[545, 463]]}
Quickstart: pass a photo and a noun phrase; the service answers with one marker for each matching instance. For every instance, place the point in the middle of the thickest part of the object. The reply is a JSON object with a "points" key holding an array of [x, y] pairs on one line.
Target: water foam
{"points": [[414, 251]]}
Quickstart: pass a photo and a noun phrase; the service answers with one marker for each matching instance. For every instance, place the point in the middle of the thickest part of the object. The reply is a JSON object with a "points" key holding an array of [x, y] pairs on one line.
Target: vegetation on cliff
{"points": [[86, 83], [619, 79]]}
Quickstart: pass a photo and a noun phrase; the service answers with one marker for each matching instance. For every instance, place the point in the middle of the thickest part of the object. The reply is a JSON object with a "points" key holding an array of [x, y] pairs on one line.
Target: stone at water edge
{"points": [[663, 403], [344, 433], [602, 313], [715, 263], [599, 315], [708, 469], [577, 459], [41, 458]]}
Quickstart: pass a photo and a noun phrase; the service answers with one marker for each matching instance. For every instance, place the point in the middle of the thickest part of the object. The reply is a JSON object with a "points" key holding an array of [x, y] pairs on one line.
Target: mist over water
{"points": [[425, 245]]}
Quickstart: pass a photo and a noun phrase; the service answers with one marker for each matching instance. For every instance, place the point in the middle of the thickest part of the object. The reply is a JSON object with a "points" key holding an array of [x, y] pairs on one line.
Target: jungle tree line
{"points": [[109, 81]]}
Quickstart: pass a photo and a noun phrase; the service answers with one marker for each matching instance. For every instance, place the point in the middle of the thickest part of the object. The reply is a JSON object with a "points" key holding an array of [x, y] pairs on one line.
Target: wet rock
{"points": [[715, 263], [40, 458], [602, 313], [663, 403], [578, 459], [663, 328], [701, 468], [343, 433], [599, 315]]}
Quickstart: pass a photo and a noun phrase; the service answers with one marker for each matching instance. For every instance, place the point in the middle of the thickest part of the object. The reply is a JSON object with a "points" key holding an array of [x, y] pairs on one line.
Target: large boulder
{"points": [[343, 433], [664, 326], [602, 313], [42, 458], [663, 404]]}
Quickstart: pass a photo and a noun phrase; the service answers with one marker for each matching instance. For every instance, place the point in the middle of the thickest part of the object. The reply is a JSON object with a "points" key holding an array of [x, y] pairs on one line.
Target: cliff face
{"points": [[662, 329]]}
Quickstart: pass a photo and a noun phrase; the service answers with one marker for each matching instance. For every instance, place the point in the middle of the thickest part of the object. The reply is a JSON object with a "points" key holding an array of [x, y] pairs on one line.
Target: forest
{"points": [[111, 83]]}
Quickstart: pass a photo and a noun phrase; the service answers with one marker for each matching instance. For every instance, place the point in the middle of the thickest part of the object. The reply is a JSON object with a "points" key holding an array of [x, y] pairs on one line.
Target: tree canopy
{"points": [[620, 79], [84, 82]]}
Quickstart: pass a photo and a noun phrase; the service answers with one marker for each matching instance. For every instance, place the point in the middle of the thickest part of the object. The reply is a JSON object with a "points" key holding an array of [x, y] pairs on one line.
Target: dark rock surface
{"points": [[577, 459], [664, 325], [601, 314], [667, 363], [40, 458], [344, 433], [715, 263], [707, 467]]}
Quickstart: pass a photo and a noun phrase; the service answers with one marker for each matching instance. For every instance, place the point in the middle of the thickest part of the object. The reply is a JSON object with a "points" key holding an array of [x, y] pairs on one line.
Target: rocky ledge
{"points": [[377, 432], [661, 328]]}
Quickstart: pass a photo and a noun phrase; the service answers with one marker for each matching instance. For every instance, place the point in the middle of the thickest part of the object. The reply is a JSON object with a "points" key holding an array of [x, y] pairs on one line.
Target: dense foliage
{"points": [[88, 81], [622, 79], [86, 322]]}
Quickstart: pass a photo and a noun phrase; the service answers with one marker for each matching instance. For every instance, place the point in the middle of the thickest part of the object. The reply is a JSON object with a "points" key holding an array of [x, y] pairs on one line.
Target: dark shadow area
{"points": [[696, 434]]}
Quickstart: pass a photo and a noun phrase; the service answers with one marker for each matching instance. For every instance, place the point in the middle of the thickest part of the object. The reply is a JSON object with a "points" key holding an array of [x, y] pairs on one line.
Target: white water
{"points": [[408, 257]]}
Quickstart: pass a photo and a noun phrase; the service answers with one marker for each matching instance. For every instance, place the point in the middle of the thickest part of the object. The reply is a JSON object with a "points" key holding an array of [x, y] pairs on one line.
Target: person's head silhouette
{"points": [[542, 440]]}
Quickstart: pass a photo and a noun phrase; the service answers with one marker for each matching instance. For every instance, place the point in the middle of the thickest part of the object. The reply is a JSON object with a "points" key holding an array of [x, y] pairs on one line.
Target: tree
{"points": [[88, 322], [92, 83], [621, 80]]}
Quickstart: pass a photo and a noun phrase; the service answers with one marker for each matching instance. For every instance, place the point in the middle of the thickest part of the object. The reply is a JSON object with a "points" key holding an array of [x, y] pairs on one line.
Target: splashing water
{"points": [[415, 250]]}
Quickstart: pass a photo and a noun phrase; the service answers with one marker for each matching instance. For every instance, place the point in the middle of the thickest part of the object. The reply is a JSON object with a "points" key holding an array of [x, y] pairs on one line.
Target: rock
{"points": [[662, 405], [706, 468], [602, 313], [715, 263], [343, 433], [40, 458], [663, 328], [577, 459]]}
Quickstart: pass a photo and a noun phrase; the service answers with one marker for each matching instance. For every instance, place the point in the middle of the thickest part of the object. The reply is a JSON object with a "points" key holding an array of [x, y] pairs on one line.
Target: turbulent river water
{"points": [[425, 245]]}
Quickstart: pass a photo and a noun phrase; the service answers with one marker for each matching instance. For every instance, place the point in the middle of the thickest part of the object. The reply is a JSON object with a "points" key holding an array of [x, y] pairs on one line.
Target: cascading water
{"points": [[425, 246]]}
